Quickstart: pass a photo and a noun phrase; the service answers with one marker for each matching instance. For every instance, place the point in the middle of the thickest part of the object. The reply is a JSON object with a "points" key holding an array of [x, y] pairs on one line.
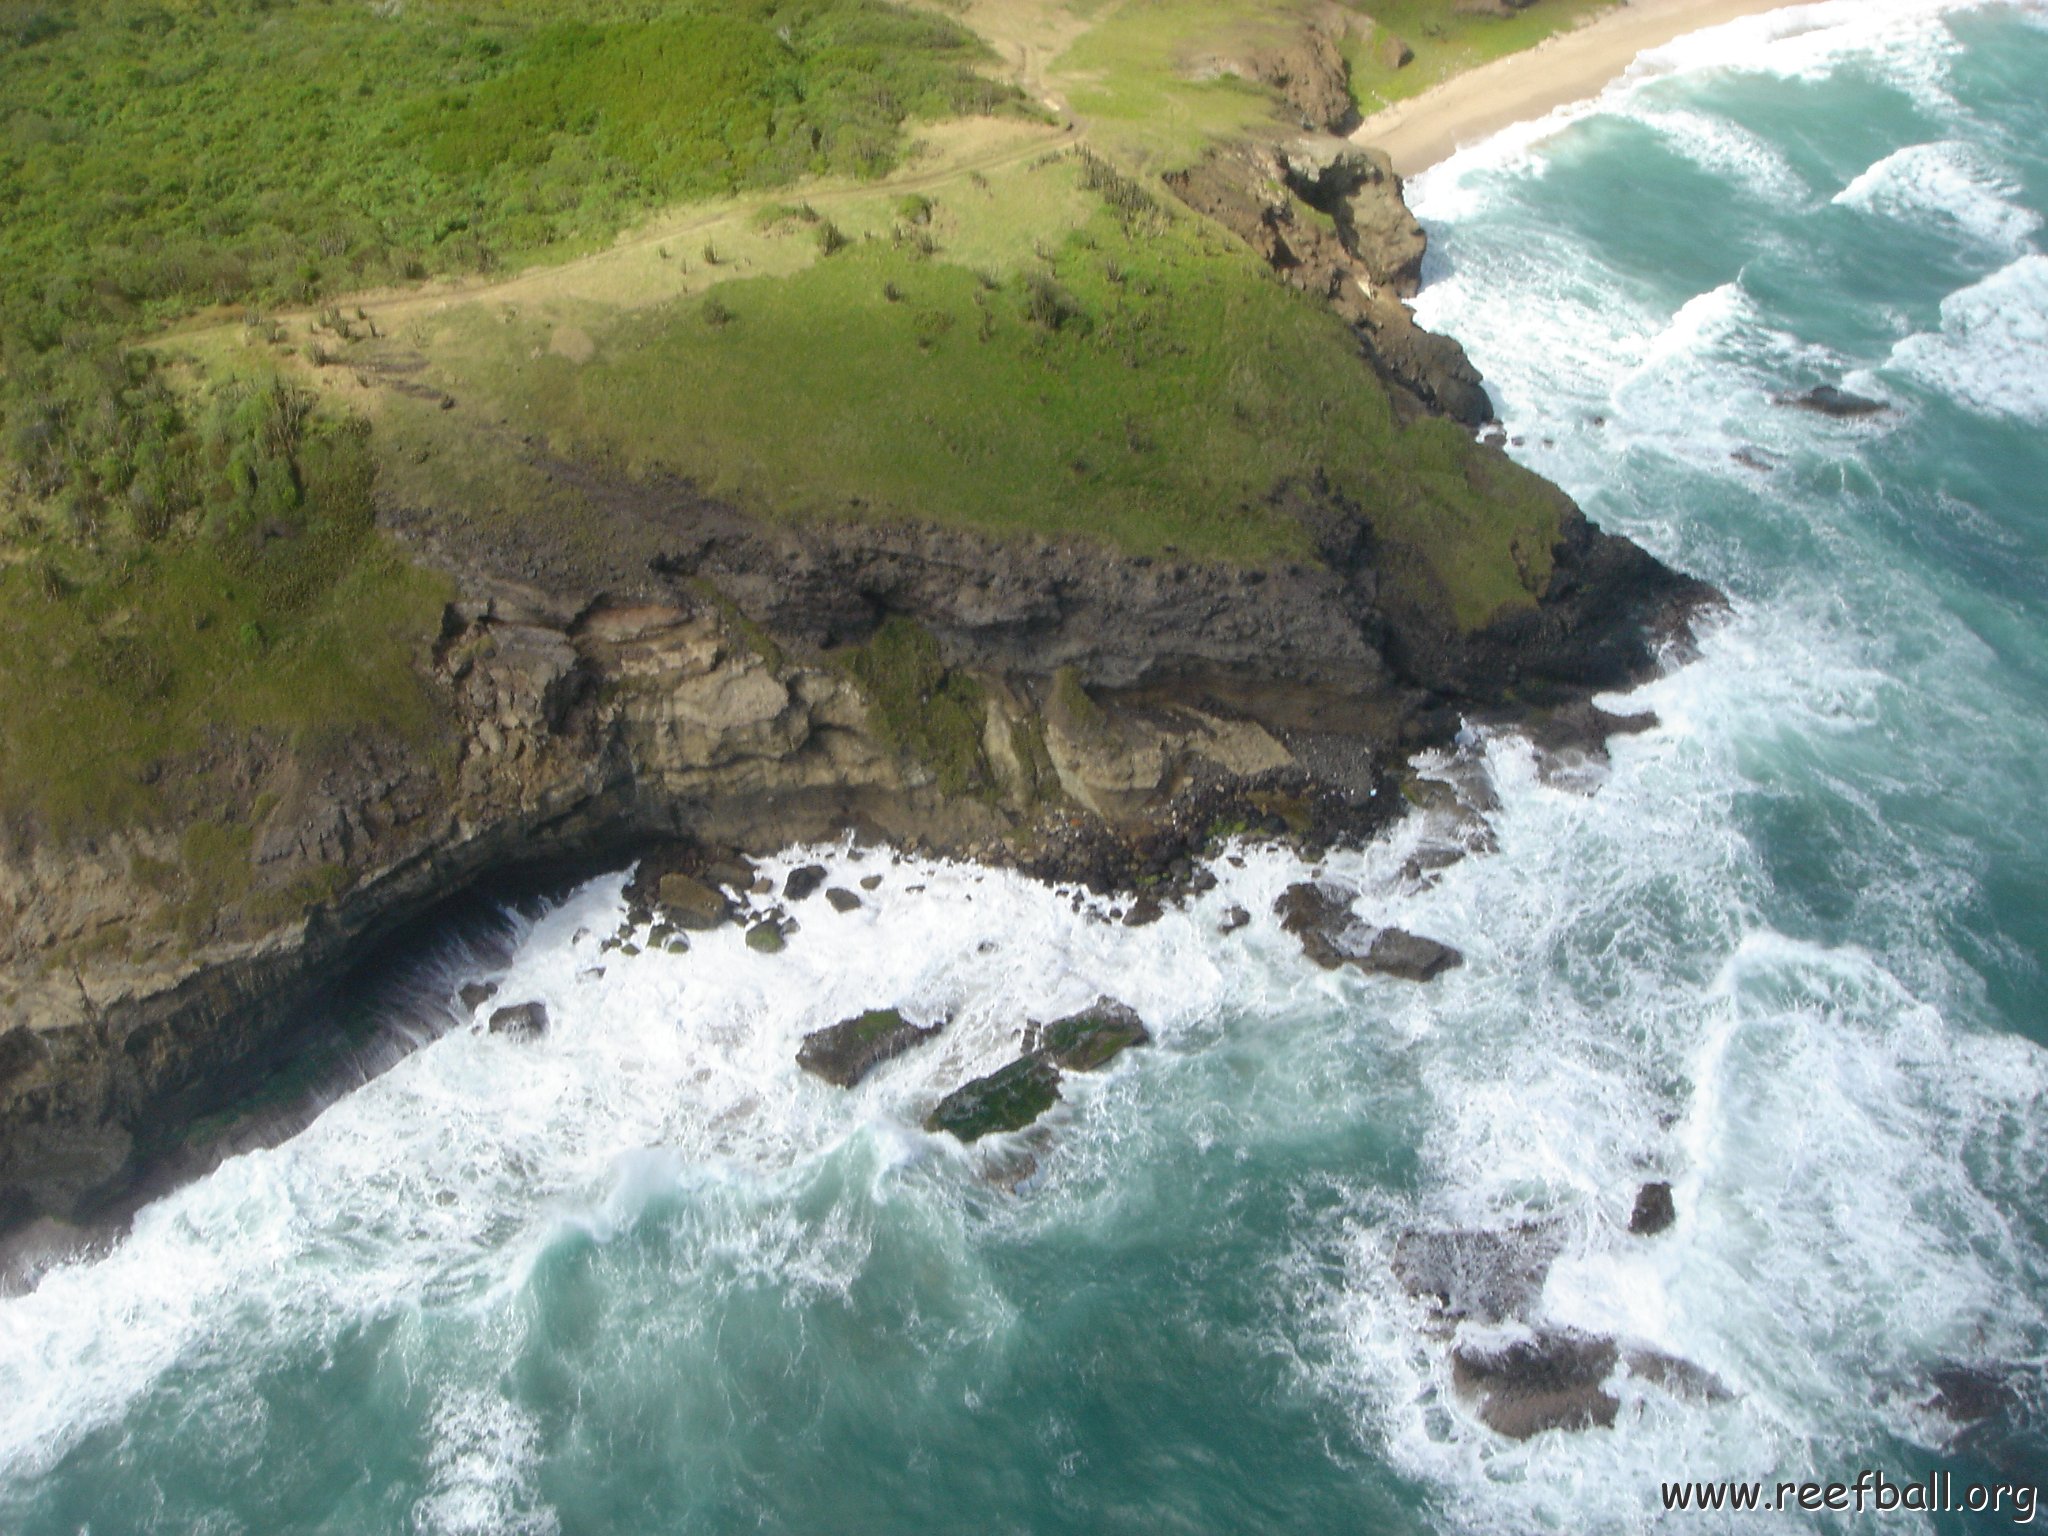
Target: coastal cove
{"points": [[1267, 1021]]}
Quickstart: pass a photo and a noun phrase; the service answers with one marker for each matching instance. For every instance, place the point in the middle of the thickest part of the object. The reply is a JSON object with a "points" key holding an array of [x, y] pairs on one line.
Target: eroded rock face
{"points": [[1365, 261], [1092, 1038], [1006, 1100], [849, 1050]]}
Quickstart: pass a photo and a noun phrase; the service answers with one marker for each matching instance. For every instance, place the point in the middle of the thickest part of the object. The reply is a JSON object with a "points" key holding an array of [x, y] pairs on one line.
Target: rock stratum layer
{"points": [[699, 688]]}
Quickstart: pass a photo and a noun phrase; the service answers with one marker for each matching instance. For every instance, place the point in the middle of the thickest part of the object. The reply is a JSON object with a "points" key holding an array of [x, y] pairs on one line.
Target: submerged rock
{"points": [[1654, 1211], [1234, 918], [766, 937], [1481, 1276], [1830, 401], [849, 1050], [1005, 1100], [803, 881], [1681, 1378], [842, 899], [1553, 1380], [687, 902], [522, 1021], [1083, 1041], [1969, 1393], [474, 994]]}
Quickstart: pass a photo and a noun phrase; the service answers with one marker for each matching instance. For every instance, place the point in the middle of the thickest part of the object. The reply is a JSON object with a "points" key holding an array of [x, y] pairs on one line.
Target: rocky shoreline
{"points": [[692, 684]]}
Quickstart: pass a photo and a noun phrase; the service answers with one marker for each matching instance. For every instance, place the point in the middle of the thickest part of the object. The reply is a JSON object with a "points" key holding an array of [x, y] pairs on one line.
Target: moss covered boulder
{"points": [[852, 1048], [1006, 1100], [684, 901], [1083, 1041]]}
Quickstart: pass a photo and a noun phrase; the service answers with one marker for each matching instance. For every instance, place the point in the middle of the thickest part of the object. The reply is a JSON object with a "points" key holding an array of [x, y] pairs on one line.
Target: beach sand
{"points": [[1569, 67]]}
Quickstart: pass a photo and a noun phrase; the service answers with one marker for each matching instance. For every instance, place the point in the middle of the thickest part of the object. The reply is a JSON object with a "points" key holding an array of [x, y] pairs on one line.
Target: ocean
{"points": [[1784, 952]]}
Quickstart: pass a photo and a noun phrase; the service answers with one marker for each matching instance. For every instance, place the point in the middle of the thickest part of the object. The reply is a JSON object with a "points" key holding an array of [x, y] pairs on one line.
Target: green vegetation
{"points": [[1447, 41], [161, 157], [1146, 74], [245, 590], [188, 557], [1147, 383], [921, 708]]}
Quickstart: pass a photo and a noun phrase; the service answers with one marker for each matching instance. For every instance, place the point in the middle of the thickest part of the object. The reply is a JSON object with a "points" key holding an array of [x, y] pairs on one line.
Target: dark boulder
{"points": [[849, 1050], [1655, 1210], [687, 902], [1144, 912], [1320, 916], [1408, 956], [842, 899], [522, 1021], [766, 937], [1005, 1100], [1554, 1380], [803, 881], [1083, 1041], [1234, 918], [474, 994], [1971, 1393]]}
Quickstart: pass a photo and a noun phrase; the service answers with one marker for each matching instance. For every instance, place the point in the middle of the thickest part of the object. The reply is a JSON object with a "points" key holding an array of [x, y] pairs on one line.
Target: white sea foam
{"points": [[1823, 1125], [1946, 182], [1795, 42], [445, 1181], [1987, 355]]}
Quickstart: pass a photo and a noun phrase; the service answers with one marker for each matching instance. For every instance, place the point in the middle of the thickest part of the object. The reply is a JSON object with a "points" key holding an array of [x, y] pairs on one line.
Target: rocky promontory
{"points": [[702, 673]]}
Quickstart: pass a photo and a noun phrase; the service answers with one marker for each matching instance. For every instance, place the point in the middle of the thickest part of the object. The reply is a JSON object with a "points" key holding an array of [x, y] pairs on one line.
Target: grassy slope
{"points": [[1012, 356], [1146, 382]]}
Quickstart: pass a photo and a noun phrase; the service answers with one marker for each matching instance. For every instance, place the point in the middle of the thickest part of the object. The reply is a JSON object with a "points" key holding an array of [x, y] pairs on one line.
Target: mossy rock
{"points": [[766, 938], [852, 1048], [1083, 1041], [1007, 1100], [684, 901]]}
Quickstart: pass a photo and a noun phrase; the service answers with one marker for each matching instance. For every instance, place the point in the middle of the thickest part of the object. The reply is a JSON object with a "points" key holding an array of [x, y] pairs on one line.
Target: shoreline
{"points": [[1572, 66]]}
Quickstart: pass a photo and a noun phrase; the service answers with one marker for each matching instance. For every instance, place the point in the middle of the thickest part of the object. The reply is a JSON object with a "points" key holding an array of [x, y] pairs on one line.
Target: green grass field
{"points": [[1147, 383]]}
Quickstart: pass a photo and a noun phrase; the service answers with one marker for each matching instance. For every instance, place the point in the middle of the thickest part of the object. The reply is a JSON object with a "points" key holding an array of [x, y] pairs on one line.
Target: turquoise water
{"points": [[643, 1276]]}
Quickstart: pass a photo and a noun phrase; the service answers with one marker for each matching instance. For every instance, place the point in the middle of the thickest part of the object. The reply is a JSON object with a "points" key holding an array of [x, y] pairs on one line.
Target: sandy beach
{"points": [[1431, 127]]}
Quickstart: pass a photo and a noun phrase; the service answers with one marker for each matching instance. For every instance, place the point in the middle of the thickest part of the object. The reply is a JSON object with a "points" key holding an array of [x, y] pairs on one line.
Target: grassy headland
{"points": [[232, 225]]}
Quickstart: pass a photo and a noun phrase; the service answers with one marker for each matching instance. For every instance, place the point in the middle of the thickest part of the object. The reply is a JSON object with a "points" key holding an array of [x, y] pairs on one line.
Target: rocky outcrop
{"points": [[1092, 1038], [1329, 218], [1321, 917], [1302, 63], [849, 1050], [1553, 1380], [1654, 1209], [1006, 1100]]}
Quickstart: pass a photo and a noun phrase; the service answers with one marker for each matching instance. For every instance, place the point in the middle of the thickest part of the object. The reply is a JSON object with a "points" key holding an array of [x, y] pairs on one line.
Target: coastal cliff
{"points": [[1262, 567], [714, 701]]}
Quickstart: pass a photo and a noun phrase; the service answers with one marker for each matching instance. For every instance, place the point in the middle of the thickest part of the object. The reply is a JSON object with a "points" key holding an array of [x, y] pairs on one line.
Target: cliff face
{"points": [[1113, 691]]}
